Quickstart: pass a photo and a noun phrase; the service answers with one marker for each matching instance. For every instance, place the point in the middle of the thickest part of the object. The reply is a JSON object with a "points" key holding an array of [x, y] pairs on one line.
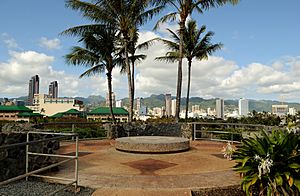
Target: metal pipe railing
{"points": [[34, 173], [211, 133]]}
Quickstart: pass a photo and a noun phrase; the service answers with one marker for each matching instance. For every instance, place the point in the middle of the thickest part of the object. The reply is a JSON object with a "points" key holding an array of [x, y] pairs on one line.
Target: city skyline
{"points": [[250, 65]]}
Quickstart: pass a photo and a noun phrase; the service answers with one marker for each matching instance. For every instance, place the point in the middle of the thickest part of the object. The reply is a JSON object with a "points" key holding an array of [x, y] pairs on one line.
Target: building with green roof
{"points": [[69, 113], [103, 114], [16, 113]]}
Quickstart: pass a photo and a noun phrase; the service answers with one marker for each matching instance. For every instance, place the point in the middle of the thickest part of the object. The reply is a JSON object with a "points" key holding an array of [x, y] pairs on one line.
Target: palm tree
{"points": [[98, 54], [133, 57], [184, 8], [124, 15], [194, 46]]}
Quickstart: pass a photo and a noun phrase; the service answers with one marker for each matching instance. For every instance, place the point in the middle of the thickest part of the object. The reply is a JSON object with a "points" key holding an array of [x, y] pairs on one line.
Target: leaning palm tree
{"points": [[124, 15], [184, 8], [195, 45], [98, 55]]}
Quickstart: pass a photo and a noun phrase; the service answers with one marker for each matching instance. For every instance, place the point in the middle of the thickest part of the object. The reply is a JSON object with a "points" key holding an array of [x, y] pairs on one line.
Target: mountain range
{"points": [[159, 101]]}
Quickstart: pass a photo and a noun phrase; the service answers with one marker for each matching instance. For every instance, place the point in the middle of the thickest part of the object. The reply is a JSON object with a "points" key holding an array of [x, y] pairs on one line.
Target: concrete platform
{"points": [[152, 144], [114, 172]]}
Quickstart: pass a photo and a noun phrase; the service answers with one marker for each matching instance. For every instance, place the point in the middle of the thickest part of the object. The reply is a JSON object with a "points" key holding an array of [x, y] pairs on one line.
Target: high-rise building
{"points": [[119, 103], [243, 107], [34, 84], [53, 90], [168, 105], [173, 107], [220, 108], [139, 103], [140, 107], [113, 99]]}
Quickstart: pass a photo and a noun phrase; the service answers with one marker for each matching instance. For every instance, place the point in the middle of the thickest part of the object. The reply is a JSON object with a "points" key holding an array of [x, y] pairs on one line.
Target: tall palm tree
{"points": [[195, 45], [133, 46], [184, 8], [123, 14], [98, 55]]}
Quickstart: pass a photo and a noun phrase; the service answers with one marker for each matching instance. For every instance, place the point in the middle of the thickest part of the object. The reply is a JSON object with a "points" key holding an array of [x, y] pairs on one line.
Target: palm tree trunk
{"points": [[188, 89], [132, 81], [109, 81], [129, 81], [179, 71]]}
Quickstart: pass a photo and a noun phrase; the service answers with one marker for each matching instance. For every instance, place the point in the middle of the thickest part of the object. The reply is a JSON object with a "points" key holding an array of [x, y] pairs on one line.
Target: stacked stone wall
{"points": [[12, 160], [149, 129]]}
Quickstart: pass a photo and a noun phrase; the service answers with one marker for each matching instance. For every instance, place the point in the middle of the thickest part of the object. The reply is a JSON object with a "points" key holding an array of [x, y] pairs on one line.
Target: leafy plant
{"points": [[270, 163]]}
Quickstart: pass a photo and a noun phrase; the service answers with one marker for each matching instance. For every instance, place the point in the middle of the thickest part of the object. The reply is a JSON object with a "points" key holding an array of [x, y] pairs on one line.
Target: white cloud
{"points": [[16, 72], [9, 41], [219, 77], [215, 77], [50, 43]]}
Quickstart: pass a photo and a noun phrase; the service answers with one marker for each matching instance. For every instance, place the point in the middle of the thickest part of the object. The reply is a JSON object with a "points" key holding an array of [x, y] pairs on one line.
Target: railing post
{"points": [[27, 149], [73, 130], [76, 165], [194, 129]]}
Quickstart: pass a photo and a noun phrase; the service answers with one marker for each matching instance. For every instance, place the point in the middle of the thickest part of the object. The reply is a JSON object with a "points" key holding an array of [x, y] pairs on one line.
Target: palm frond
{"points": [[100, 68], [169, 17], [174, 46], [206, 4], [81, 56], [82, 29], [145, 45]]}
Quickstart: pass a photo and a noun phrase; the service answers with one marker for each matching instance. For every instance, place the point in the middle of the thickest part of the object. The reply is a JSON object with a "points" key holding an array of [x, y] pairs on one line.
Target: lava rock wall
{"points": [[12, 160], [149, 129]]}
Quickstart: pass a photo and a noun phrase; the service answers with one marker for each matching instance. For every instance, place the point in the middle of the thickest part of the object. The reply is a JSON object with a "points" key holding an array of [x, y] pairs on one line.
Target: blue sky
{"points": [[260, 58]]}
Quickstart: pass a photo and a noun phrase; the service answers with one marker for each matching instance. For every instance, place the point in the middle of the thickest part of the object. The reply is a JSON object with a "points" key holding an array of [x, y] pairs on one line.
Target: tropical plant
{"points": [[124, 15], [270, 163], [195, 45], [184, 8], [98, 54]]}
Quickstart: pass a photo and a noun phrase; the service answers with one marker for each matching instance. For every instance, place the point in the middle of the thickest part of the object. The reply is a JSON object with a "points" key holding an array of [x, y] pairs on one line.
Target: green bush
{"points": [[270, 163]]}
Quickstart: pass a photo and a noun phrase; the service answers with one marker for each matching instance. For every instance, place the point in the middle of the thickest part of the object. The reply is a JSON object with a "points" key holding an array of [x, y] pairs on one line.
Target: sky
{"points": [[260, 58]]}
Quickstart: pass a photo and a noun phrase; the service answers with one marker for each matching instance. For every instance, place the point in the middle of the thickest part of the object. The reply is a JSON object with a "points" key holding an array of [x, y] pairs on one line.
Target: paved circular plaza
{"points": [[108, 170]]}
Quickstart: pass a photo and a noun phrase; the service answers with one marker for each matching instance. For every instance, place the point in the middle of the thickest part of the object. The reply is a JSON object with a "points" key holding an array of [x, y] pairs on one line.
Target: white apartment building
{"points": [[173, 107], [119, 104], [280, 110], [168, 105], [243, 107], [292, 111], [49, 106]]}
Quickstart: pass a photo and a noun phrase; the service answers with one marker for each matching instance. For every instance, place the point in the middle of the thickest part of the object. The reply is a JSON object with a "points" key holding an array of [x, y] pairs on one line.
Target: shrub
{"points": [[270, 163]]}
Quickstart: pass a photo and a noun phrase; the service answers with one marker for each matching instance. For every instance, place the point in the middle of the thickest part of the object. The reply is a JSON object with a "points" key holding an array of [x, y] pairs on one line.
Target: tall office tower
{"points": [[53, 90], [34, 84], [139, 103], [168, 105], [243, 107], [113, 99], [173, 107], [220, 108]]}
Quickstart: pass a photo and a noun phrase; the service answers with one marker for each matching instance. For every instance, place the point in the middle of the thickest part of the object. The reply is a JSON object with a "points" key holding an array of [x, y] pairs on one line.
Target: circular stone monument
{"points": [[152, 144]]}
